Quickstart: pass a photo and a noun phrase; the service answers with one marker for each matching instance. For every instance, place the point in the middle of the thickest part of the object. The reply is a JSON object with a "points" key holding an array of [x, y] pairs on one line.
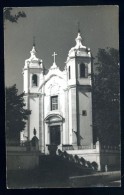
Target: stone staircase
{"points": [[59, 167]]}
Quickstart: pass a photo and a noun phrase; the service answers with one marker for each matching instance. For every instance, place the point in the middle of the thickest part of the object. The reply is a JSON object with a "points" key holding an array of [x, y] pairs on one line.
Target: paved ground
{"points": [[109, 184], [35, 179], [40, 179], [114, 184]]}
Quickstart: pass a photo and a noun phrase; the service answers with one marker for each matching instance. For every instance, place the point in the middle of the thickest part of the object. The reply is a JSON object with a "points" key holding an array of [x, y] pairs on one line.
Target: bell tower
{"points": [[33, 73], [78, 66]]}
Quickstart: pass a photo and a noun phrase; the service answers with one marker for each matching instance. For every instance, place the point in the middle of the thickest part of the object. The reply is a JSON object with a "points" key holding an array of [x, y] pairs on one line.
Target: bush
{"points": [[69, 157], [82, 161], [94, 165], [60, 152], [77, 159], [88, 164], [65, 155]]}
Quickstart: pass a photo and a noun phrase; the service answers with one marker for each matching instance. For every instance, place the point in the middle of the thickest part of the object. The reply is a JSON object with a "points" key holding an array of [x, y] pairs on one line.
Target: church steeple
{"points": [[79, 49], [33, 52], [79, 41], [34, 41], [78, 27], [33, 61], [33, 71]]}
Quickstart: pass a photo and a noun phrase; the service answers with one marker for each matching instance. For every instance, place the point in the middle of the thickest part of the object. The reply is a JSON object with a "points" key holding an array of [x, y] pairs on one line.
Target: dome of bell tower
{"points": [[79, 49], [33, 61]]}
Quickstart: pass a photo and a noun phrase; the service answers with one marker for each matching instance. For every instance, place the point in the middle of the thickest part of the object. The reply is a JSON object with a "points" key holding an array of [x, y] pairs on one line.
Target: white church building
{"points": [[60, 101]]}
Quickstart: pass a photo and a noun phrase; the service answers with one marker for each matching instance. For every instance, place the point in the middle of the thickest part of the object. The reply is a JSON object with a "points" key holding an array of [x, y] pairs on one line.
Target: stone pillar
{"points": [[98, 155], [48, 134], [66, 135], [28, 122], [41, 119], [40, 123], [98, 147], [43, 123], [61, 134]]}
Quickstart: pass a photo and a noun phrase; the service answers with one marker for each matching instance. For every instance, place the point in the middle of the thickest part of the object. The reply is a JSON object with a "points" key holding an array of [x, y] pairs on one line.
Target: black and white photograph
{"points": [[62, 97]]}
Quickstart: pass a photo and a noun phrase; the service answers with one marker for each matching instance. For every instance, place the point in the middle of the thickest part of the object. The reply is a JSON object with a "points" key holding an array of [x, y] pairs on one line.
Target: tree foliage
{"points": [[16, 114], [106, 97], [12, 17]]}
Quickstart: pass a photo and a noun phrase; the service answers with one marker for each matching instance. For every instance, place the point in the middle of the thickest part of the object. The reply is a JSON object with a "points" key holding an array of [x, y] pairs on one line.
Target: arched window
{"points": [[34, 80], [83, 71], [69, 72]]}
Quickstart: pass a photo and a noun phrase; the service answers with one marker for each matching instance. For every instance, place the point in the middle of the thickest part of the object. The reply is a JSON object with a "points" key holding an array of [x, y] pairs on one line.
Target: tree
{"points": [[16, 114], [7, 13], [106, 97]]}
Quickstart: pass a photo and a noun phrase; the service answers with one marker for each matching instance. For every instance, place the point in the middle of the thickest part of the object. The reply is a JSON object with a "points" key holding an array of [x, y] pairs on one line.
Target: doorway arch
{"points": [[55, 128]]}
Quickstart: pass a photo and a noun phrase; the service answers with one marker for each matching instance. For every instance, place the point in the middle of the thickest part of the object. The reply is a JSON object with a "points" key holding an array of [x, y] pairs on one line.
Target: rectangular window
{"points": [[54, 103], [84, 113]]}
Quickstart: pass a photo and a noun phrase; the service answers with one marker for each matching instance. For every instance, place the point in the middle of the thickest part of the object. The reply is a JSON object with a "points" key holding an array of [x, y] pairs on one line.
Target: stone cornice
{"points": [[79, 86], [76, 56], [33, 94]]}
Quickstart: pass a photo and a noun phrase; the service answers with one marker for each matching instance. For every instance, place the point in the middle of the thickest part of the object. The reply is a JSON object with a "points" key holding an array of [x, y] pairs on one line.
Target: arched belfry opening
{"points": [[83, 70], [34, 80]]}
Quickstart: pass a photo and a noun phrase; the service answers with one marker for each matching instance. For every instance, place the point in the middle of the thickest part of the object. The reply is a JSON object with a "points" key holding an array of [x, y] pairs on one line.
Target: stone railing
{"points": [[97, 146], [110, 147], [32, 145], [75, 159], [74, 147], [102, 155], [12, 143]]}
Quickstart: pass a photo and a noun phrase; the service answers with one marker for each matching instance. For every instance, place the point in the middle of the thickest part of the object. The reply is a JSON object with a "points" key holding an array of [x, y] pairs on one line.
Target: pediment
{"points": [[53, 82], [53, 118]]}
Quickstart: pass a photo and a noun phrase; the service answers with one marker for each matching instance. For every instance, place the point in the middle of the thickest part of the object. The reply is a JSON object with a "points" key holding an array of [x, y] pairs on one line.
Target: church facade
{"points": [[60, 101]]}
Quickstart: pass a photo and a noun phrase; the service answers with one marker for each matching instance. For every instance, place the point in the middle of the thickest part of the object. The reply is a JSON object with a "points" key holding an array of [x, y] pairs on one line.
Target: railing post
{"points": [[91, 145], [98, 149], [98, 146]]}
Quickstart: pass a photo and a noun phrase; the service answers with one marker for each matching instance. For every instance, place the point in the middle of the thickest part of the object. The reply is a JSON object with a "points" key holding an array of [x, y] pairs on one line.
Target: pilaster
{"points": [[66, 131]]}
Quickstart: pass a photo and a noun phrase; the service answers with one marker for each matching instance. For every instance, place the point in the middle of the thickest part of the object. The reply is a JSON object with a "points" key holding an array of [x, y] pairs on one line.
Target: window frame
{"points": [[52, 104]]}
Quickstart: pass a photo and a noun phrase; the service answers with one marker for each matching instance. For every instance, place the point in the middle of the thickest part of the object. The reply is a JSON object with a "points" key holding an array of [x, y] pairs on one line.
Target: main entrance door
{"points": [[55, 134]]}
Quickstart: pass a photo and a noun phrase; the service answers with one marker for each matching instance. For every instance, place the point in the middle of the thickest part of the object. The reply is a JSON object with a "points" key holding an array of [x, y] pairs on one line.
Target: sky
{"points": [[55, 30]]}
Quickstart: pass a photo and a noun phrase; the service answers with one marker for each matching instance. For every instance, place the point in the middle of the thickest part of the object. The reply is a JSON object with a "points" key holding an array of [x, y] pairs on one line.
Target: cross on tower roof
{"points": [[78, 27], [34, 41], [54, 55]]}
